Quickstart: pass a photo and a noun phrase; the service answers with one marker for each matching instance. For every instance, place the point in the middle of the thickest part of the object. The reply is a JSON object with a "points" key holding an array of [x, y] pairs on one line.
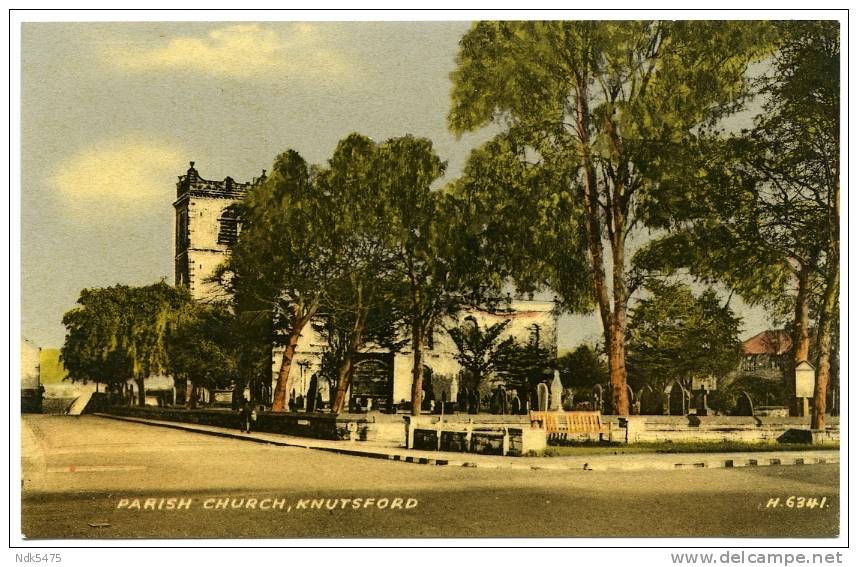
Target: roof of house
{"points": [[772, 342]]}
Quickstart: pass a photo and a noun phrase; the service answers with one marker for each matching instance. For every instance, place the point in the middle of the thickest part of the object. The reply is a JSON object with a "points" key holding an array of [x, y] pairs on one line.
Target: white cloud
{"points": [[123, 176], [240, 51]]}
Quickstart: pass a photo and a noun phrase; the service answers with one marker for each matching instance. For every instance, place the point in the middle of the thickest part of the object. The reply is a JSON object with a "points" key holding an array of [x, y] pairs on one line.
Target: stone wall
{"points": [[689, 429], [318, 426]]}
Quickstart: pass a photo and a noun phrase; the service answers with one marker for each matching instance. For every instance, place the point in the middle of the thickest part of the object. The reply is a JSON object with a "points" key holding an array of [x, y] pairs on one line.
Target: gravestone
{"points": [[744, 405], [474, 402], [542, 397], [702, 386], [568, 400], [311, 393], [675, 402], [597, 398], [651, 403], [454, 390], [556, 392], [428, 395], [494, 404], [462, 400], [515, 405]]}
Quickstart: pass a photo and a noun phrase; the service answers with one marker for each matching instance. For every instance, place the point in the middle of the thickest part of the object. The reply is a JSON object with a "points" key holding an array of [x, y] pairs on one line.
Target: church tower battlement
{"points": [[206, 228]]}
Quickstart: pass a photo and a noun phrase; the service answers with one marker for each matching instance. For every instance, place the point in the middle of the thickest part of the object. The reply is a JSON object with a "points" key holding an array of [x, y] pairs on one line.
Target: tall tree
{"points": [[605, 101], [800, 131], [284, 260], [361, 208], [421, 245], [760, 210]]}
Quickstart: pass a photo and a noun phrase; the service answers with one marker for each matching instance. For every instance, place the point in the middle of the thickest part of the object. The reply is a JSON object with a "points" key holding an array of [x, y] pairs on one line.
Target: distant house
{"points": [[766, 350], [31, 384]]}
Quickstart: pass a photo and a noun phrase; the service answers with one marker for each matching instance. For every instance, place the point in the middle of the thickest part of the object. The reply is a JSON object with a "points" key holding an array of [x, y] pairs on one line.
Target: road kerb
{"points": [[636, 463]]}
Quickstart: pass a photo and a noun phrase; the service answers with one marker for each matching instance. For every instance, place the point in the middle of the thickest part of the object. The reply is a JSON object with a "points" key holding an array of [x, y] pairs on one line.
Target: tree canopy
{"points": [[676, 335], [120, 333], [599, 107]]}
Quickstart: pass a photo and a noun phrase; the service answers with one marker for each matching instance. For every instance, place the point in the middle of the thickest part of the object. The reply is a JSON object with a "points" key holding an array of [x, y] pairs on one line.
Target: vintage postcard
{"points": [[521, 277]]}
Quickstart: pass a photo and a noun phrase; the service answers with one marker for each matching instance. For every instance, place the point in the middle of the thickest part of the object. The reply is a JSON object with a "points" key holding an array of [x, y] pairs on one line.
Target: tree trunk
{"points": [[141, 392], [190, 394], [347, 367], [613, 323], [300, 318], [617, 349], [343, 381], [800, 337], [281, 390], [617, 365], [824, 331], [824, 335], [417, 370]]}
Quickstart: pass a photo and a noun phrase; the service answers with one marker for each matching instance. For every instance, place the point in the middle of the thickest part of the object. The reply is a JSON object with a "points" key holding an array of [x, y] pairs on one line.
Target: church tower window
{"points": [[228, 233]]}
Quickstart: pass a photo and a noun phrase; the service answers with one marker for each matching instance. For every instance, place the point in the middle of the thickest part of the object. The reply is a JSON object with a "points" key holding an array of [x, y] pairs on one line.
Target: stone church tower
{"points": [[206, 229]]}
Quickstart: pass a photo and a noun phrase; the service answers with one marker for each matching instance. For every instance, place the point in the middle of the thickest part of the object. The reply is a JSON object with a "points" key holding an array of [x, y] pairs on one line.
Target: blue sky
{"points": [[113, 112]]}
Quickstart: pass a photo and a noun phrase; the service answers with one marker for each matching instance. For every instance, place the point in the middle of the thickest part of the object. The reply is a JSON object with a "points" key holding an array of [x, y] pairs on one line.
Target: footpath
{"points": [[596, 462]]}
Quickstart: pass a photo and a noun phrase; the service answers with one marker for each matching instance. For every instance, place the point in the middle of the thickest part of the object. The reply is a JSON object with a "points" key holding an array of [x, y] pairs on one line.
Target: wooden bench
{"points": [[563, 423]]}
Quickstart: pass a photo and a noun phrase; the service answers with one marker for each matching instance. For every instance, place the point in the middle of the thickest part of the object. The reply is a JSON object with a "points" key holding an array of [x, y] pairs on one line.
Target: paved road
{"points": [[89, 477]]}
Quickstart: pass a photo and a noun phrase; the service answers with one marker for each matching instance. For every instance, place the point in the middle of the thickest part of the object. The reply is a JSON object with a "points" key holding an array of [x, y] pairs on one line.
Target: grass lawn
{"points": [[718, 447]]}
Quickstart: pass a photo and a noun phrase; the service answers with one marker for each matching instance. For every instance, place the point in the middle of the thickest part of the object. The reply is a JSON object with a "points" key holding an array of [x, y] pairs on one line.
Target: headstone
{"points": [[598, 398], [744, 405], [428, 395], [555, 403], [312, 399], [675, 399], [454, 389], [542, 397], [568, 400], [701, 401], [474, 402], [462, 400], [515, 405], [650, 401]]}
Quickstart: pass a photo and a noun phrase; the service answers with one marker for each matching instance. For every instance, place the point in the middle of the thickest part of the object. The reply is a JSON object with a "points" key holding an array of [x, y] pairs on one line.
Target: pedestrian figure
{"points": [[245, 415]]}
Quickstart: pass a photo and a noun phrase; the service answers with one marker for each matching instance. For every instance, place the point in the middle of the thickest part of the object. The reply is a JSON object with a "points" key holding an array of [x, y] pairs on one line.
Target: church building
{"points": [[206, 229]]}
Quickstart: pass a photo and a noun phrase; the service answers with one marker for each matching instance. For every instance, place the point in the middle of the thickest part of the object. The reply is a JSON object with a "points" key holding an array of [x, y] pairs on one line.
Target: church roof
{"points": [[771, 342]]}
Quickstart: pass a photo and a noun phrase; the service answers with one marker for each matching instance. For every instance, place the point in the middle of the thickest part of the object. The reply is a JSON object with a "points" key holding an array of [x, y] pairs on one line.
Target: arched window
{"points": [[228, 233]]}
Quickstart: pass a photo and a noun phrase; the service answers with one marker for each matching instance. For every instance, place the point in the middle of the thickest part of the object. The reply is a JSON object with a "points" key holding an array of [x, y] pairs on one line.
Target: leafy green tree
{"points": [[283, 263], [119, 333], [92, 351], [479, 350], [358, 299], [583, 368], [425, 245], [202, 349], [800, 132], [677, 335], [600, 106], [524, 365], [761, 208]]}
